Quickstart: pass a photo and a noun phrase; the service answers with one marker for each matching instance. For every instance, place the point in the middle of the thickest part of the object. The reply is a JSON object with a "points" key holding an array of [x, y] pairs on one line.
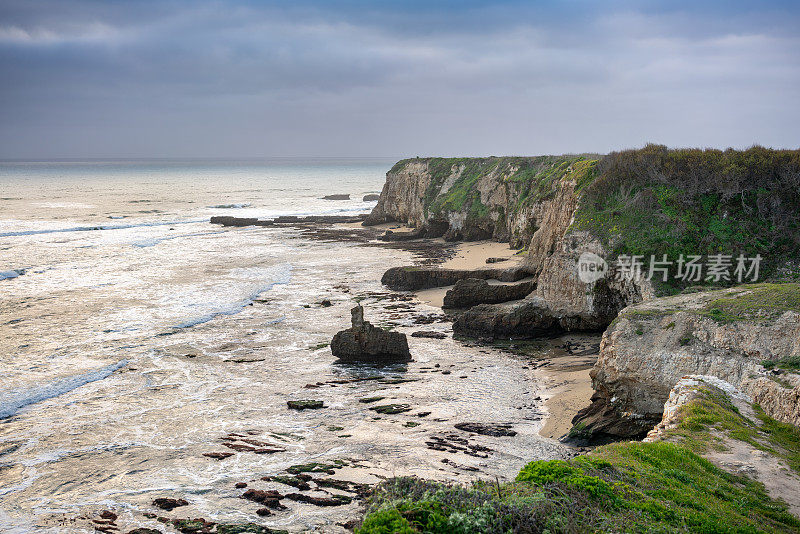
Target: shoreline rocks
{"points": [[411, 278], [471, 291], [526, 318], [363, 342], [290, 220]]}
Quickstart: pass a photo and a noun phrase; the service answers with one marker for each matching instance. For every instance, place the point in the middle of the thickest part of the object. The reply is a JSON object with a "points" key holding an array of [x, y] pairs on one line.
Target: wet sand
{"points": [[472, 255], [570, 387], [565, 375]]}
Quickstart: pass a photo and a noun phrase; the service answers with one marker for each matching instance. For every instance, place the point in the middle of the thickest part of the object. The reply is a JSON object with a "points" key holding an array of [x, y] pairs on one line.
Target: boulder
{"points": [[471, 291], [363, 342], [371, 197], [526, 318], [431, 334], [336, 197], [411, 278]]}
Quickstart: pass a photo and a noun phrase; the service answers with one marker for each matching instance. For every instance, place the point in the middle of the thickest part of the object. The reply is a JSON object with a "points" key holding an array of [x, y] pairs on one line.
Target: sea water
{"points": [[134, 335]]}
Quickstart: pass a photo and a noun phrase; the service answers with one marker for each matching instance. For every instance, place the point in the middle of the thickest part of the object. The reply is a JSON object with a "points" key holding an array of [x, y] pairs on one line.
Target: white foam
{"points": [[6, 275], [282, 276], [96, 228], [13, 401]]}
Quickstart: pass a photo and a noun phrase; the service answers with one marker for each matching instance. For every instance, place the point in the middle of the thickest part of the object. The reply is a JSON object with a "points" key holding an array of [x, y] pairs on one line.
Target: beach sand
{"points": [[571, 390], [567, 376], [471, 255]]}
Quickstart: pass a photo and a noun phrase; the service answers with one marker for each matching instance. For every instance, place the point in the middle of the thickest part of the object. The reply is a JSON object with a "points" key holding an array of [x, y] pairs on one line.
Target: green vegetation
{"points": [[526, 179], [696, 202], [629, 487], [756, 302], [792, 363], [622, 487], [703, 421], [751, 302]]}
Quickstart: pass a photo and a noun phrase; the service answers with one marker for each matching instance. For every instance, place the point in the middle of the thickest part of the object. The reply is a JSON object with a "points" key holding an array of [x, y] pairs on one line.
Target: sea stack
{"points": [[363, 342]]}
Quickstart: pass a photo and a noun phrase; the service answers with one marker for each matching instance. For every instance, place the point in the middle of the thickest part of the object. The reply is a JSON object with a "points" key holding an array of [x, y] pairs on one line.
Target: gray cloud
{"points": [[237, 79]]}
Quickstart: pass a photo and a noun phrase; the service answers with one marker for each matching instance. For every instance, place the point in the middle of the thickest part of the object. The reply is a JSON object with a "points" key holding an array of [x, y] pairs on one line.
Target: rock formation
{"points": [[363, 342], [726, 333], [472, 291], [647, 201], [414, 278]]}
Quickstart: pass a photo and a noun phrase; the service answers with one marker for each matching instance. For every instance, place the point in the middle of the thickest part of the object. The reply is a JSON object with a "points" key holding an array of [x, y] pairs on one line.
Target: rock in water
{"points": [[370, 197], [363, 342]]}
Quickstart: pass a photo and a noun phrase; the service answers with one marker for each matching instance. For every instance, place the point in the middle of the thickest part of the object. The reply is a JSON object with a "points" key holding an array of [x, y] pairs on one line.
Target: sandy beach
{"points": [[472, 255], [567, 375]]}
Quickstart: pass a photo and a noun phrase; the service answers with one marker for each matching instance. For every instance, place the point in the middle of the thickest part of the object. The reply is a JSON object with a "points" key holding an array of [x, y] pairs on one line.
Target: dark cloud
{"points": [[234, 79]]}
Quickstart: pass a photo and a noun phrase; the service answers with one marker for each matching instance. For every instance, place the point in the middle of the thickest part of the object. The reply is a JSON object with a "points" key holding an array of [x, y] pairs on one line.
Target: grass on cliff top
{"points": [[656, 201], [624, 487], [750, 302], [702, 421], [756, 302]]}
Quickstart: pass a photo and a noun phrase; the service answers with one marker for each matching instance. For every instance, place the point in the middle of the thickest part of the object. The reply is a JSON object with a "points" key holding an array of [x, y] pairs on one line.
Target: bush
{"points": [[386, 521]]}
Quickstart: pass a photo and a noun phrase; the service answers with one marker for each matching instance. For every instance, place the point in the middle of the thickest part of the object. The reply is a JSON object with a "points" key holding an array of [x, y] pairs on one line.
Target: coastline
{"points": [[565, 374]]}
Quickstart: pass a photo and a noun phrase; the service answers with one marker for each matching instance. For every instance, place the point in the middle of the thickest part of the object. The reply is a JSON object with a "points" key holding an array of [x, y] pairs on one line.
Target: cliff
{"points": [[651, 201], [501, 198], [743, 335]]}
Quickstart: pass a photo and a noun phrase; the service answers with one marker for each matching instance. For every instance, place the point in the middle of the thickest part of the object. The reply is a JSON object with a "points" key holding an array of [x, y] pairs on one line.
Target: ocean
{"points": [[135, 338]]}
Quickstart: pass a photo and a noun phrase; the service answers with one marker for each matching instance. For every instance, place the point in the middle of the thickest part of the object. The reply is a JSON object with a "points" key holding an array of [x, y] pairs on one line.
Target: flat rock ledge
{"points": [[521, 319], [365, 343], [410, 278], [472, 291]]}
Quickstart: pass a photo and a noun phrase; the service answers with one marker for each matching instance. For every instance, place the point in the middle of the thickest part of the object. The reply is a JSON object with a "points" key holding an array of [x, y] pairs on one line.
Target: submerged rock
{"points": [[363, 342], [432, 334], [471, 291], [269, 498], [305, 404], [391, 409], [337, 197], [169, 504], [371, 197], [333, 500]]}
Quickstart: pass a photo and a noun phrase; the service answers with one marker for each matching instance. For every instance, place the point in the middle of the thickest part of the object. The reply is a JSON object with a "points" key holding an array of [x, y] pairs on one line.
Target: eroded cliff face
{"points": [[401, 199], [726, 334], [506, 199], [530, 202]]}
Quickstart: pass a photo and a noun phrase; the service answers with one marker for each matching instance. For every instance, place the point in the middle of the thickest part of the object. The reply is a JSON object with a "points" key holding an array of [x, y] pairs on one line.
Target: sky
{"points": [[239, 79]]}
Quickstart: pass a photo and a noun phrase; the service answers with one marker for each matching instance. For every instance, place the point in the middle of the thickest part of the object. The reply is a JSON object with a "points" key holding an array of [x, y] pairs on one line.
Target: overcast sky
{"points": [[169, 78]]}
